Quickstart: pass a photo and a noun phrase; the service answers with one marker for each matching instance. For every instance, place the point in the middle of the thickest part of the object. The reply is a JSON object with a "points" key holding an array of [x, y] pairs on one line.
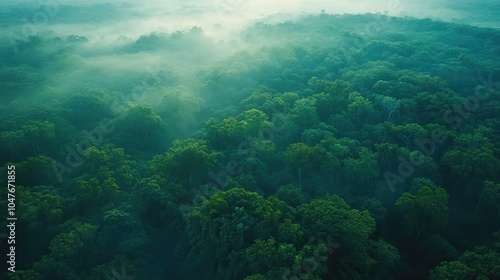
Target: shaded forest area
{"points": [[328, 147]]}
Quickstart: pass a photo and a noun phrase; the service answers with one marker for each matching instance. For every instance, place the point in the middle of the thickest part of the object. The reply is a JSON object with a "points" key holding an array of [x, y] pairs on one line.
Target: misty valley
{"points": [[248, 144]]}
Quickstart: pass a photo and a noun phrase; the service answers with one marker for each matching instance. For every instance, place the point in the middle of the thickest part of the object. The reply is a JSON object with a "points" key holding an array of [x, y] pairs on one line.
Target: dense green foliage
{"points": [[316, 149]]}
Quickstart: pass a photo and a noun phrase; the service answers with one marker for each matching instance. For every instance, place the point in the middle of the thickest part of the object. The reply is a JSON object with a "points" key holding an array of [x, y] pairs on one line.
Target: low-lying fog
{"points": [[114, 58], [218, 18]]}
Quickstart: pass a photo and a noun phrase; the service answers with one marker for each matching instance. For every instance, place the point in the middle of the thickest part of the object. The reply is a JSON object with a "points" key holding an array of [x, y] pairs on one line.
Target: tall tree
{"points": [[425, 212], [347, 229], [183, 159], [300, 155], [472, 156]]}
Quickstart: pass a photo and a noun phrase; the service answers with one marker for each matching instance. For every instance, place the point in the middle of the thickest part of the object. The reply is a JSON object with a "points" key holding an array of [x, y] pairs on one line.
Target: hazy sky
{"points": [[219, 18]]}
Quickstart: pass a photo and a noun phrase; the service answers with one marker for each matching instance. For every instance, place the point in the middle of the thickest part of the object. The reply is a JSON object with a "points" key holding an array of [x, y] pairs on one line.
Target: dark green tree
{"points": [[184, 159], [425, 212]]}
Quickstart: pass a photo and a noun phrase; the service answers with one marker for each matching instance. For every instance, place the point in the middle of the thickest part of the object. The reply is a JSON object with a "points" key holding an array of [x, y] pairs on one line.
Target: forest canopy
{"points": [[321, 146]]}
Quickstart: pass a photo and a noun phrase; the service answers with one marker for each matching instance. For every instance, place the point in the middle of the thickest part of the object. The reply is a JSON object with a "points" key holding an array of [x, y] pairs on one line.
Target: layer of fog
{"points": [[223, 18], [117, 23]]}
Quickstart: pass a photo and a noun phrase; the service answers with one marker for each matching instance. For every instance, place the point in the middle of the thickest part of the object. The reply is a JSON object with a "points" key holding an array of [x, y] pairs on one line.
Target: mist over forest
{"points": [[253, 140]]}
